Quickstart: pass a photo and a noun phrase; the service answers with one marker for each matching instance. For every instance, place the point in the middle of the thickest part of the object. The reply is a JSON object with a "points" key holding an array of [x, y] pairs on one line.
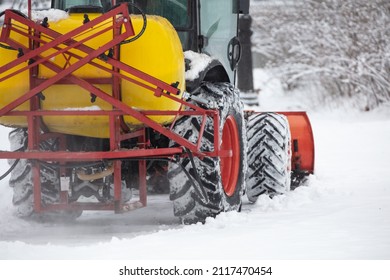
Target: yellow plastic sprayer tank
{"points": [[157, 52]]}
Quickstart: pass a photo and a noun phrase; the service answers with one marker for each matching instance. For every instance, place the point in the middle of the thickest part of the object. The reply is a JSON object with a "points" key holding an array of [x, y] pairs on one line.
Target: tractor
{"points": [[110, 101]]}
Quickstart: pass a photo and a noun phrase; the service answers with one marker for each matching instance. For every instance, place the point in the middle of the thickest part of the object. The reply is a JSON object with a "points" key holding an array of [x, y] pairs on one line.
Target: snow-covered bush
{"points": [[343, 44], [22, 4]]}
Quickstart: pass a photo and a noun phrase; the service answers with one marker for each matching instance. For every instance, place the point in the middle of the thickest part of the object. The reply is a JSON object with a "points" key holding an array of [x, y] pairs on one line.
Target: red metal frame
{"points": [[63, 44]]}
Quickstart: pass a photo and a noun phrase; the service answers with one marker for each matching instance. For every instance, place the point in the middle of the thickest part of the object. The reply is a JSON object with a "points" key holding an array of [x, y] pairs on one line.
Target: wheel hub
{"points": [[230, 164]]}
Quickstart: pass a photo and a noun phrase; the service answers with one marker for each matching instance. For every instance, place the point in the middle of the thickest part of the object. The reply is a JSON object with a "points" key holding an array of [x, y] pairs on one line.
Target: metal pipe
{"points": [[29, 9]]}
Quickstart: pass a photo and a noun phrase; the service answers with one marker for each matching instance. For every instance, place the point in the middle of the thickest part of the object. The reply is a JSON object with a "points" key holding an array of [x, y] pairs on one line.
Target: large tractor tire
{"points": [[269, 155], [21, 181], [201, 188]]}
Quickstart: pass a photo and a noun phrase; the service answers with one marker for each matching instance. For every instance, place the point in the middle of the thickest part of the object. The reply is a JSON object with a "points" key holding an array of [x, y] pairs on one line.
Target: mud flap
{"points": [[302, 146]]}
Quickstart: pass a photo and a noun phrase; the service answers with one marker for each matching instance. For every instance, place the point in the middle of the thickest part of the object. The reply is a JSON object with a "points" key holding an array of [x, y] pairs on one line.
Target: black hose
{"points": [[143, 26], [7, 47], [10, 169], [12, 166]]}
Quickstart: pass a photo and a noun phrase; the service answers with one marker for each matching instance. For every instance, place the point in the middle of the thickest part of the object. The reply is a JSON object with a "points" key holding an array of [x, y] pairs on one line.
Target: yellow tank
{"points": [[157, 52]]}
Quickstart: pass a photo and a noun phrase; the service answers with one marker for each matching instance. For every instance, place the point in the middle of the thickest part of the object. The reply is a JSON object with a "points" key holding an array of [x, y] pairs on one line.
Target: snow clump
{"points": [[53, 15], [198, 62]]}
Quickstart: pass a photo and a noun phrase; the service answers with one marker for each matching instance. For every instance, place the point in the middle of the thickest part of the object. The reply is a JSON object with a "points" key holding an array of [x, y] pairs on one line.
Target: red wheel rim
{"points": [[230, 159]]}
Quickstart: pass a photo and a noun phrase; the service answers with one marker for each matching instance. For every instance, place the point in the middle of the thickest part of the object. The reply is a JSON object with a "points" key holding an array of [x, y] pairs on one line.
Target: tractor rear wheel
{"points": [[269, 155], [201, 188], [21, 181]]}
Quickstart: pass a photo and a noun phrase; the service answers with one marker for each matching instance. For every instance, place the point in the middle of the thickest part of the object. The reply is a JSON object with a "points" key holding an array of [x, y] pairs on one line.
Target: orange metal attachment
{"points": [[302, 141]]}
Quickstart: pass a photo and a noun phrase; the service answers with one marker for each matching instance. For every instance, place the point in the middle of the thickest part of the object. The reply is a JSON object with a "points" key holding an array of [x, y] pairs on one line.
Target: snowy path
{"points": [[344, 213]]}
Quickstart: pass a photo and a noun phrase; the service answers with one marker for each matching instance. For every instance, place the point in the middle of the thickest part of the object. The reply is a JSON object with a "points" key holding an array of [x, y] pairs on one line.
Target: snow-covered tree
{"points": [[343, 44], [22, 4]]}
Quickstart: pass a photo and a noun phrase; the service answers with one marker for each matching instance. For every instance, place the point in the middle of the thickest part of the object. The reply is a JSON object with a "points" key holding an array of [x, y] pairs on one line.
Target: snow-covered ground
{"points": [[342, 213]]}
